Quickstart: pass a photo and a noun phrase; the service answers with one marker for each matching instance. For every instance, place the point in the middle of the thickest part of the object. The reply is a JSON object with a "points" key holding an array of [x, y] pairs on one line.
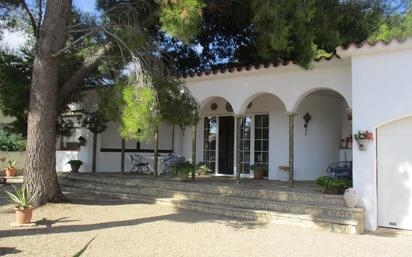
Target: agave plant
{"points": [[21, 197], [11, 164]]}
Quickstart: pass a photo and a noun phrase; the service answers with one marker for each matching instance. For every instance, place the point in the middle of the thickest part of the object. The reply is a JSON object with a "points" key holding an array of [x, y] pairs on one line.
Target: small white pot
{"points": [[363, 144], [351, 197]]}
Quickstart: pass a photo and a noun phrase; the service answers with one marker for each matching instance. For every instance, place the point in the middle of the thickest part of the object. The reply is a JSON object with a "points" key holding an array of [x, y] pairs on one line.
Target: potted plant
{"points": [[75, 165], [23, 208], [332, 185], [183, 170], [202, 169], [259, 170], [363, 137], [11, 170]]}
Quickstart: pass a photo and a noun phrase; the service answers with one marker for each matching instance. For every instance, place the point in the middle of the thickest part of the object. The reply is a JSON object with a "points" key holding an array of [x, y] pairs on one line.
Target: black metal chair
{"points": [[139, 164], [170, 161], [341, 169]]}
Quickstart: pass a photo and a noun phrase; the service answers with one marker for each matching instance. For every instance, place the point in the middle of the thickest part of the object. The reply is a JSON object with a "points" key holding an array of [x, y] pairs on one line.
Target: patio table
{"points": [[160, 164]]}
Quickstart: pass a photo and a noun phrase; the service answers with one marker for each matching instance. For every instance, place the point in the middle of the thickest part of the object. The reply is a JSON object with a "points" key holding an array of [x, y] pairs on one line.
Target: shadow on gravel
{"points": [[178, 217], [57, 226], [8, 250]]}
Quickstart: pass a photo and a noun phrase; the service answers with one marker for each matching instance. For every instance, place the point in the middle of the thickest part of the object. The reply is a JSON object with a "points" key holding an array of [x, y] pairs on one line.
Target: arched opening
{"points": [[323, 133], [218, 135], [264, 134]]}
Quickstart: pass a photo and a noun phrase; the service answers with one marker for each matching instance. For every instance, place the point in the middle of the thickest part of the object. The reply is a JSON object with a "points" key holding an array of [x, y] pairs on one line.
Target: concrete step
{"points": [[262, 208], [233, 190], [225, 200], [330, 224]]}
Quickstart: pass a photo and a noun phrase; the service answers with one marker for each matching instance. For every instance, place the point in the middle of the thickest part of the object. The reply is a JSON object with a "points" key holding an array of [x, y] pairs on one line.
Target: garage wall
{"points": [[382, 92]]}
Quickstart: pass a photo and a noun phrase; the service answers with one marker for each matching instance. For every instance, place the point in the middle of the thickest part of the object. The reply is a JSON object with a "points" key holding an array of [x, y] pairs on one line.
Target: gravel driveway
{"points": [[129, 228]]}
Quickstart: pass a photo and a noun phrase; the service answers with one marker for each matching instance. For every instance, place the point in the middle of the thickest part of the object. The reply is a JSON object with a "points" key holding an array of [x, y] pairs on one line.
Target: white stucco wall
{"points": [[382, 92], [290, 83]]}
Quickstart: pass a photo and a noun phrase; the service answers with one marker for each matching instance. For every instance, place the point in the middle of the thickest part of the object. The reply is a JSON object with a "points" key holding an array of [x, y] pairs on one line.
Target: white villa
{"points": [[372, 83]]}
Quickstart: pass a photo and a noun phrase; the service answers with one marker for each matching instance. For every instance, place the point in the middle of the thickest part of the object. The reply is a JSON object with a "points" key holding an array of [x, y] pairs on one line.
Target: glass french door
{"points": [[209, 142], [245, 143], [261, 141]]}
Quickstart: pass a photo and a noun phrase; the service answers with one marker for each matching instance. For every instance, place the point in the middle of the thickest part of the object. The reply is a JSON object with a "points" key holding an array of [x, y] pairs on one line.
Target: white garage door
{"points": [[395, 174]]}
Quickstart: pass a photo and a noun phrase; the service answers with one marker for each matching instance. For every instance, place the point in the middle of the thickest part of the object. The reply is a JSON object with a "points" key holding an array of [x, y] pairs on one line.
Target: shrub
{"points": [[337, 185], [21, 197], [11, 142], [183, 169], [202, 168], [75, 162], [260, 167]]}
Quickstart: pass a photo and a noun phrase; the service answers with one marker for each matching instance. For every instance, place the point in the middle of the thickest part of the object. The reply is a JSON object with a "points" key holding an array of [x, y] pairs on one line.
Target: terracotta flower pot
{"points": [[23, 216], [11, 172], [75, 168], [258, 174]]}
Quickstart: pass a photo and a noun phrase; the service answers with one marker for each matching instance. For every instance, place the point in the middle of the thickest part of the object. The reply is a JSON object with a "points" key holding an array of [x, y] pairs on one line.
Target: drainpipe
{"points": [[238, 127], [291, 147]]}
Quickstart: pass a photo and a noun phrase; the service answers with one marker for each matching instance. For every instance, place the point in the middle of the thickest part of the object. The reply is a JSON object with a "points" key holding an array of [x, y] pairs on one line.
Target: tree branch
{"points": [[40, 16], [61, 51], [32, 19], [74, 82]]}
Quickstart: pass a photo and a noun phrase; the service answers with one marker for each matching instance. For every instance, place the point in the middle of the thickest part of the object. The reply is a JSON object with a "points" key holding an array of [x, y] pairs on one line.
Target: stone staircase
{"points": [[325, 212]]}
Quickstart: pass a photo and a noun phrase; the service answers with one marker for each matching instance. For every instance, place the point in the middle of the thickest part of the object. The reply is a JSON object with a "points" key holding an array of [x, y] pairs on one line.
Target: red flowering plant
{"points": [[363, 135]]}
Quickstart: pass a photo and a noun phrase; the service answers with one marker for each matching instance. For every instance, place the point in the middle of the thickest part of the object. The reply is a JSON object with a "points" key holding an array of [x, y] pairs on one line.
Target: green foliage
{"points": [[203, 168], [84, 248], [21, 197], [111, 102], [140, 114], [183, 169], [177, 105], [75, 162], [96, 122], [260, 167], [396, 26], [15, 77], [181, 18], [338, 185], [11, 164], [11, 142]]}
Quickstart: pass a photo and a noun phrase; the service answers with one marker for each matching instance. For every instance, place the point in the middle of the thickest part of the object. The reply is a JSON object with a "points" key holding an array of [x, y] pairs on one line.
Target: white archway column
{"points": [[238, 123], [291, 147]]}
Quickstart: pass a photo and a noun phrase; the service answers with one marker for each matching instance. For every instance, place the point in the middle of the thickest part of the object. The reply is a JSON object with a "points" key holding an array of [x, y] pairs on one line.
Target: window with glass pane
{"points": [[209, 142], [245, 131], [70, 136], [262, 139]]}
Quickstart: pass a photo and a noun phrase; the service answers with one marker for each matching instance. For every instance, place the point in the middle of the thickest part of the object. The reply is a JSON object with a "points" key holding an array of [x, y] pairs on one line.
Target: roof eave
{"points": [[381, 46]]}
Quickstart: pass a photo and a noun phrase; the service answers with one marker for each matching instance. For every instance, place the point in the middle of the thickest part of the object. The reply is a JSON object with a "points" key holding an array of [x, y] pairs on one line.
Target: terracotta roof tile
{"points": [[246, 68]]}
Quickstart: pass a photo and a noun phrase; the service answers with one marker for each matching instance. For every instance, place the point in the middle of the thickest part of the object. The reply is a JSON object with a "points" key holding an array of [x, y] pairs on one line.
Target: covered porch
{"points": [[300, 123]]}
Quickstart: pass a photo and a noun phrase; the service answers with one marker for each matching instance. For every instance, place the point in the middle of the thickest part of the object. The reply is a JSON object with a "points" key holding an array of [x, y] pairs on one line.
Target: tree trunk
{"points": [[122, 155], [155, 153], [194, 130], [94, 152], [40, 170]]}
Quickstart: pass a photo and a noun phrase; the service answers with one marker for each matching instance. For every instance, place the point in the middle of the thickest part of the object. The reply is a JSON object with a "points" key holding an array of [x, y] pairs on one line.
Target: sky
{"points": [[86, 5], [17, 39]]}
